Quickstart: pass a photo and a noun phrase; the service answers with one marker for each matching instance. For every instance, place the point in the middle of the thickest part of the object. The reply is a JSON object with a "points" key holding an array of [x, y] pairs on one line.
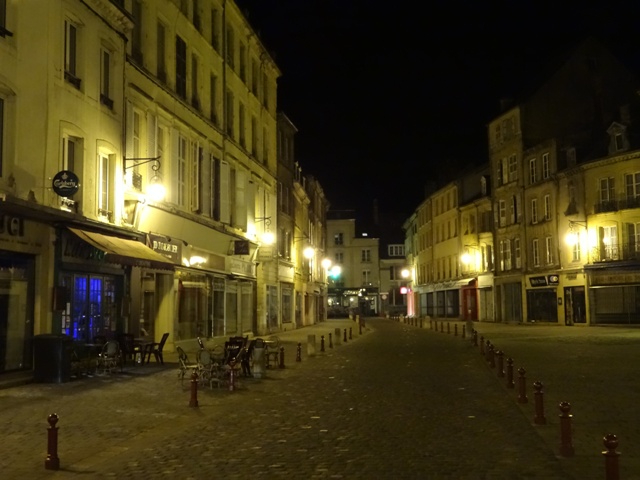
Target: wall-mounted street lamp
{"points": [[155, 188], [573, 235]]}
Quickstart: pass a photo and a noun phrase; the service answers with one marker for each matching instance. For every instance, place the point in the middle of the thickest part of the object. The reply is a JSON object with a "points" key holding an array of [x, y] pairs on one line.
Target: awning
{"points": [[131, 251]]}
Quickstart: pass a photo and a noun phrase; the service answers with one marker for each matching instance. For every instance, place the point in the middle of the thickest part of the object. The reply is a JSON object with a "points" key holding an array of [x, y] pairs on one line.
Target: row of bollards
{"points": [[495, 359]]}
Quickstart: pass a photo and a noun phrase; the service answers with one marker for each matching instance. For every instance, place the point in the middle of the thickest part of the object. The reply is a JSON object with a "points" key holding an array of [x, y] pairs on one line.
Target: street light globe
{"points": [[465, 258], [336, 270], [326, 263], [404, 273], [268, 238], [308, 252]]}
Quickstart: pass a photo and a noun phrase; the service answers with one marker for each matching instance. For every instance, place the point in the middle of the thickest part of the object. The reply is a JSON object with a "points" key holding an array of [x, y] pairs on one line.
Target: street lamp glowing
{"points": [[336, 270], [326, 263], [268, 238], [404, 273], [466, 258], [308, 252]]}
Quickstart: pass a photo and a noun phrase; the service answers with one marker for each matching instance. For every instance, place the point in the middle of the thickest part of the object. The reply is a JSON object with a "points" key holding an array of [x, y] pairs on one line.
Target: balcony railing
{"points": [[615, 205], [613, 253]]}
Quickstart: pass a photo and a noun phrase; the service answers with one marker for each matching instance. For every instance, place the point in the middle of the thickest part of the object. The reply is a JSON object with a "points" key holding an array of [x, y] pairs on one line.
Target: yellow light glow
{"points": [[465, 258], [404, 273], [268, 238], [308, 252], [326, 263], [156, 190]]}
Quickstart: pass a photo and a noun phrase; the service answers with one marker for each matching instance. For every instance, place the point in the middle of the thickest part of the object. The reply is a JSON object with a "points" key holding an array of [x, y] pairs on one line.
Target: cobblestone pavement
{"points": [[396, 401]]}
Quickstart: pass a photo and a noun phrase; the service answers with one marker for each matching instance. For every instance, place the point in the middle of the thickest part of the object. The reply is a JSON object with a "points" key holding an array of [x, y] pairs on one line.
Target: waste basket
{"points": [[52, 358]]}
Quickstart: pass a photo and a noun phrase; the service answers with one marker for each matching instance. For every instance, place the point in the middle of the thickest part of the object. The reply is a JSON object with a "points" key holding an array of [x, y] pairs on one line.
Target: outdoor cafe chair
{"points": [[273, 350], [110, 357], [156, 349], [184, 364], [209, 370]]}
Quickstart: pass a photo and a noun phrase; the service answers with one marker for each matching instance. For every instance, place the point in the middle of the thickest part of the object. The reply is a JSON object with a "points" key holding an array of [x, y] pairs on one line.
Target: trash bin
{"points": [[52, 358]]}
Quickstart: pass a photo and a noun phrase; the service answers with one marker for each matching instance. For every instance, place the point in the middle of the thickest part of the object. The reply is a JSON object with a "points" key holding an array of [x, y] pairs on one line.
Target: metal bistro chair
{"points": [[184, 364], [209, 370], [273, 351], [110, 357], [156, 349]]}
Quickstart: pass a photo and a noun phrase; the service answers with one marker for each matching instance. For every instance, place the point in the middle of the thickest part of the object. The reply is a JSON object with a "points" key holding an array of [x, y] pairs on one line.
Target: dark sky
{"points": [[390, 95]]}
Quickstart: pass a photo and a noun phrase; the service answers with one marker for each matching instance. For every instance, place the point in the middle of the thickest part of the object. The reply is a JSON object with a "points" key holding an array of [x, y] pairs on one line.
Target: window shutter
{"points": [[225, 214], [240, 216], [173, 166], [129, 131]]}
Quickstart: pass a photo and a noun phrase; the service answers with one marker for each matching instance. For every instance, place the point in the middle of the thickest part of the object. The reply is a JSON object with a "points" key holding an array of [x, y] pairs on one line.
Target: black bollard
{"points": [[539, 418], [612, 472], [52, 461], [500, 362], [510, 383], [345, 336], [299, 352], [350, 333], [566, 444], [281, 364], [322, 343], [522, 386], [330, 341]]}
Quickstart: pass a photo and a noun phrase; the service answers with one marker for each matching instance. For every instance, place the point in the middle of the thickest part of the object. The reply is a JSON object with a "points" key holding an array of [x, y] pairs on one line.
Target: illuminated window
{"points": [[104, 185], [535, 252], [105, 78], [549, 250]]}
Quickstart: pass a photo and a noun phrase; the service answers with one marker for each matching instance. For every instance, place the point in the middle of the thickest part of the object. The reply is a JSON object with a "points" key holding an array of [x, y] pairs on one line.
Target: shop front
{"points": [[614, 295], [22, 254], [542, 298]]}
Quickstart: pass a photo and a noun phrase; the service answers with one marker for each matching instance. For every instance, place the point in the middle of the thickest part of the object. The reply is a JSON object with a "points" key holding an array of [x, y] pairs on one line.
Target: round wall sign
{"points": [[66, 183]]}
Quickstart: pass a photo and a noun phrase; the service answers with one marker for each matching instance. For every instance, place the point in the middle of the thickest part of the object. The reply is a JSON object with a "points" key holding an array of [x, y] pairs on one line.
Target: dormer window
{"points": [[618, 140]]}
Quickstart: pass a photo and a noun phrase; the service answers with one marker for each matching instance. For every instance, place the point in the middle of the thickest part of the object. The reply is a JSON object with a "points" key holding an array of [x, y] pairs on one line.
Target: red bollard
{"points": [[360, 327], [322, 343], [281, 364], [510, 383], [500, 357], [299, 353], [344, 339], [522, 386], [232, 376], [482, 346], [193, 401], [52, 462], [566, 445], [539, 418], [611, 457], [330, 341]]}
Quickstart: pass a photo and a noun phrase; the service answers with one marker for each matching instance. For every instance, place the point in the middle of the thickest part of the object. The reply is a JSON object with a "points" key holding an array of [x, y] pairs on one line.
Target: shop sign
{"points": [[538, 281], [543, 281], [12, 226], [65, 183], [74, 248], [167, 247]]}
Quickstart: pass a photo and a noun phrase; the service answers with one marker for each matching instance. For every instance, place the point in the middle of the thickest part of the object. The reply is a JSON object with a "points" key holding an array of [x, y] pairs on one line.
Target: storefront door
{"points": [[91, 311]]}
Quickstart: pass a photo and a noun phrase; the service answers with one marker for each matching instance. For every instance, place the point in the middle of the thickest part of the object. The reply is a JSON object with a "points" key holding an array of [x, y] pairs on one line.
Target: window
{"points": [[181, 68], [255, 76], [181, 198], [516, 249], [103, 186], [228, 114], [619, 141], [633, 230], [3, 18], [503, 213], [505, 255], [338, 239], [213, 99], [161, 53], [575, 253], [265, 91], [396, 250], [545, 166], [549, 249], [366, 277], [71, 53], [608, 243], [241, 126], [513, 210], [254, 136], [532, 171], [195, 160], [70, 152], [339, 257], [365, 255], [230, 50], [535, 252], [105, 79], [195, 98], [547, 207], [632, 185], [1, 134], [534, 210], [265, 147], [513, 168], [214, 30], [607, 189], [243, 62], [196, 16]]}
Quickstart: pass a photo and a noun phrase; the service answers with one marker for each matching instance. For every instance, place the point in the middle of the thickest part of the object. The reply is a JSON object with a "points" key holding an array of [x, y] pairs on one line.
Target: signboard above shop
{"points": [[544, 280], [65, 183]]}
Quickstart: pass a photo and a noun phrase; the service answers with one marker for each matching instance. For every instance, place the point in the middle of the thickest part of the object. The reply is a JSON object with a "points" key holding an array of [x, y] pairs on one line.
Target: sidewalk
{"points": [[594, 369]]}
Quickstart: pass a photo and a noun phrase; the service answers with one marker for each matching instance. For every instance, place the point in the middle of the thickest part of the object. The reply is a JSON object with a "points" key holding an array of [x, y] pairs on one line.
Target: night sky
{"points": [[388, 96]]}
